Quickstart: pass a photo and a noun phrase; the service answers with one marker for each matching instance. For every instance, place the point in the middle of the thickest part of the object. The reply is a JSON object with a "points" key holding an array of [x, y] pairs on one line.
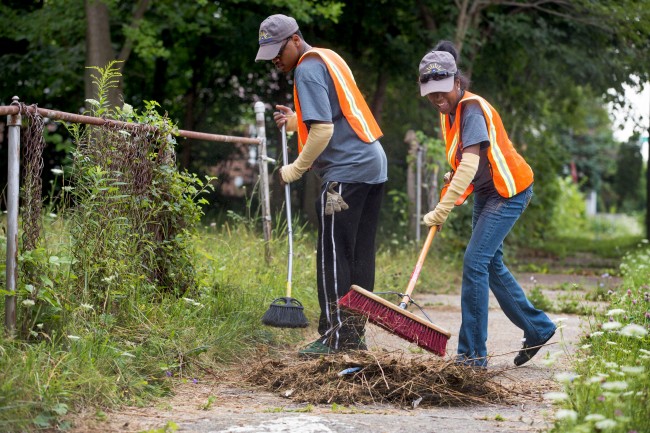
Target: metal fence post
{"points": [[13, 190], [264, 174]]}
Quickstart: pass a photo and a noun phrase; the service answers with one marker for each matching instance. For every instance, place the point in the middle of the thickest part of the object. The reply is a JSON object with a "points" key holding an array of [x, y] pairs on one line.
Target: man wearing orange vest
{"points": [[484, 162], [337, 138]]}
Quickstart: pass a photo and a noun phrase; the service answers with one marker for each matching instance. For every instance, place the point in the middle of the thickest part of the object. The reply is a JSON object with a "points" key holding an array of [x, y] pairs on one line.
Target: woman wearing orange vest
{"points": [[338, 139], [484, 162]]}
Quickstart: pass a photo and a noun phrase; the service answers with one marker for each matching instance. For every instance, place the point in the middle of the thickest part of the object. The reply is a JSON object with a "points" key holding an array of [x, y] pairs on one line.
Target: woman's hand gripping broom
{"points": [[286, 312], [396, 319]]}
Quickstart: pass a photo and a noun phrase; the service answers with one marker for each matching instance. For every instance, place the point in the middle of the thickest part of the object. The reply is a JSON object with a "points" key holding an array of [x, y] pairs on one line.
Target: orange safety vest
{"points": [[353, 105], [510, 172]]}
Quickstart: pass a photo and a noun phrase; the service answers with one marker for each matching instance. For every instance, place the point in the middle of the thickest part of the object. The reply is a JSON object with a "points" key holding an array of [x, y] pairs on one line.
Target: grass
{"points": [[608, 387], [131, 352], [133, 349]]}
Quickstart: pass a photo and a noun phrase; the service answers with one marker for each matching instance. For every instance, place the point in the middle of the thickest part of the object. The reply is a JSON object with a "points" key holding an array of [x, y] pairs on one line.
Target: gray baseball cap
{"points": [[437, 71], [273, 31]]}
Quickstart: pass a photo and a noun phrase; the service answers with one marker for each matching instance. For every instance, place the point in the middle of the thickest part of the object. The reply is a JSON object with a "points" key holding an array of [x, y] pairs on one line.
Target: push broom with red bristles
{"points": [[396, 319]]}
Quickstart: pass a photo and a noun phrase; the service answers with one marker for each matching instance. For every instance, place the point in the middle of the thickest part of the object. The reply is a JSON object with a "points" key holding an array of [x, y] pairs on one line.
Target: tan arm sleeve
{"points": [[318, 139], [462, 178]]}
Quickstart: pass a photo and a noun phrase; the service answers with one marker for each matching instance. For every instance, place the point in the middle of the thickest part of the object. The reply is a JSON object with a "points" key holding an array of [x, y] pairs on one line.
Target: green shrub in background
{"points": [[569, 214], [608, 389]]}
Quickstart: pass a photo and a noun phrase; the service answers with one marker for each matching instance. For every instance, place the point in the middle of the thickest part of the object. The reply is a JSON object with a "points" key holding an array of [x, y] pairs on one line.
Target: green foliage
{"points": [[133, 212], [569, 212], [628, 183], [539, 300], [607, 389]]}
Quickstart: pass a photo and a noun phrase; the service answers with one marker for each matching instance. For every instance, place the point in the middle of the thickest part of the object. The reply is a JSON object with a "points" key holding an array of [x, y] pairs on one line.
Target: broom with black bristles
{"points": [[396, 319], [286, 312]]}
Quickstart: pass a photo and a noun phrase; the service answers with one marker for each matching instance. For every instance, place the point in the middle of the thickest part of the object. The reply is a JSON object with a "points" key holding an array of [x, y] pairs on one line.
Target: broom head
{"points": [[285, 312], [396, 320]]}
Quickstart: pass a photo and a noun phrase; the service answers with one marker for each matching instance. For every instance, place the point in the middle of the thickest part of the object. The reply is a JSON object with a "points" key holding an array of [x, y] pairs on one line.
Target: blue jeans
{"points": [[483, 269]]}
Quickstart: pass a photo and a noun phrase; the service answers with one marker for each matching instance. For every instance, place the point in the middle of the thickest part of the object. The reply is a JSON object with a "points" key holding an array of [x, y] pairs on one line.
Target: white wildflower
{"points": [[127, 354], [52, 215], [645, 352], [594, 417], [56, 171], [566, 414], [28, 303], [127, 108], [605, 424], [615, 386], [633, 369], [87, 307], [615, 312], [74, 337], [585, 346], [610, 326], [597, 334], [611, 365], [193, 302], [633, 330], [566, 377], [556, 396]]}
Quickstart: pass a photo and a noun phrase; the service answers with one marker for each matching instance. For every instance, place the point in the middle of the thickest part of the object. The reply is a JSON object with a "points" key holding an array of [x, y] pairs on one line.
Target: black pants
{"points": [[346, 256]]}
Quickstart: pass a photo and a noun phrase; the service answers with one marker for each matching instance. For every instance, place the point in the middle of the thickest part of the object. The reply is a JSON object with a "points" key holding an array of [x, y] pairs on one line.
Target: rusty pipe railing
{"points": [[80, 118], [13, 113]]}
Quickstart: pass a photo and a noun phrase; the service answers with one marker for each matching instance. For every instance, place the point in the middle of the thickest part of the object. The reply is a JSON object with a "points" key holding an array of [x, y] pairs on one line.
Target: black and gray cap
{"points": [[437, 72], [273, 31]]}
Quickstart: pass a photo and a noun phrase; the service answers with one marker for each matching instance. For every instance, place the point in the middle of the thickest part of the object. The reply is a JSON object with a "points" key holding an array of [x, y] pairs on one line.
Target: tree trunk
{"points": [[411, 179], [647, 192], [377, 106], [99, 51]]}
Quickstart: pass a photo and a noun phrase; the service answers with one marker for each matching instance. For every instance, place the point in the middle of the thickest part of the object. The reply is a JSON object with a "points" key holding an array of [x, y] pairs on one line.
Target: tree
{"points": [[99, 45]]}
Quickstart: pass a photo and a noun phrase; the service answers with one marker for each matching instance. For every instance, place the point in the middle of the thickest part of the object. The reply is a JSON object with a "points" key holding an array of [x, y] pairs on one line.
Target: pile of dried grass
{"points": [[396, 378]]}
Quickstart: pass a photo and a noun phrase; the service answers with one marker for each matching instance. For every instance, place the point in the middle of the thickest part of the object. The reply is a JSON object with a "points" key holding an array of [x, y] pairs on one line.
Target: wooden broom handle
{"points": [[418, 267]]}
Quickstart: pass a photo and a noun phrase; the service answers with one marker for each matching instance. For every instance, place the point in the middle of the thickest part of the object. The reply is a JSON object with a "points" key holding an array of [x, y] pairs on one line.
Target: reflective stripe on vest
{"points": [[353, 105], [510, 172]]}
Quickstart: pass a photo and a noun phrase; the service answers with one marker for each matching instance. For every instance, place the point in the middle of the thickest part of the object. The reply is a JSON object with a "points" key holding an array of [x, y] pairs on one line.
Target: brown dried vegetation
{"points": [[397, 378]]}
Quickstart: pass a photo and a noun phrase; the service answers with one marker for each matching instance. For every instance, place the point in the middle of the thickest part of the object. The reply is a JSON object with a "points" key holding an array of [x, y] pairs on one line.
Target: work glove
{"points": [[319, 137], [290, 173], [334, 201]]}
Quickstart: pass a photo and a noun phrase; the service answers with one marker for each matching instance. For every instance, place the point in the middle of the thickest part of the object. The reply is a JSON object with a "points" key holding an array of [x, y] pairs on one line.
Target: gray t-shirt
{"points": [[473, 131], [346, 158]]}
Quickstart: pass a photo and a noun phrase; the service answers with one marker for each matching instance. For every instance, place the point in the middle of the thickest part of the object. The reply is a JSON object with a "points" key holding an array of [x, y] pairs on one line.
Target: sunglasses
{"points": [[283, 47], [435, 76]]}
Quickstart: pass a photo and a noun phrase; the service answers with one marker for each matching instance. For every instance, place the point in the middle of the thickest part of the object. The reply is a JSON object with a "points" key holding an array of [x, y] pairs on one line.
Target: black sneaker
{"points": [[316, 350], [527, 352]]}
